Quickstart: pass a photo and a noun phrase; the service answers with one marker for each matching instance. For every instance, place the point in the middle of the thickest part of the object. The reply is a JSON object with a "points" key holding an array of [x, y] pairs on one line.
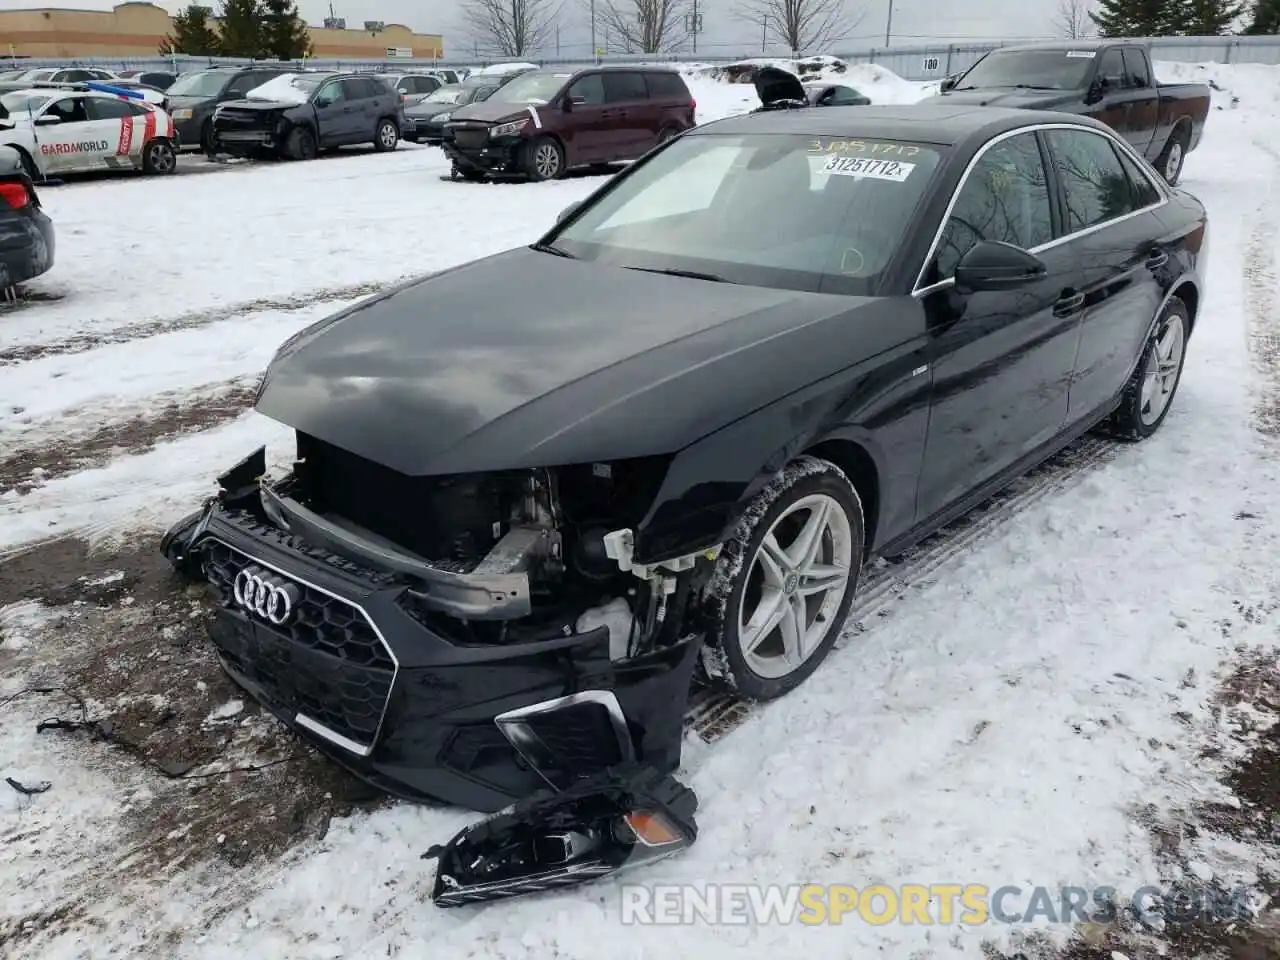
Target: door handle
{"points": [[1068, 303], [1157, 260]]}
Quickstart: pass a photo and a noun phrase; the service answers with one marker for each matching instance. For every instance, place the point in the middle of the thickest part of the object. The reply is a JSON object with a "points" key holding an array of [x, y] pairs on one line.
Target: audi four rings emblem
{"points": [[269, 597]]}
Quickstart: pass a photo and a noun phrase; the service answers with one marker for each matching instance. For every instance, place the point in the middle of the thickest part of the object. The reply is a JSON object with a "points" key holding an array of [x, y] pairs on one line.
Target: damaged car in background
{"points": [[516, 525]]}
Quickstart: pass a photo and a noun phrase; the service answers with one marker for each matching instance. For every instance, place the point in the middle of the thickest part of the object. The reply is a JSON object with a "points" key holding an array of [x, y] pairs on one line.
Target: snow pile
{"points": [[725, 90], [1251, 86], [280, 89]]}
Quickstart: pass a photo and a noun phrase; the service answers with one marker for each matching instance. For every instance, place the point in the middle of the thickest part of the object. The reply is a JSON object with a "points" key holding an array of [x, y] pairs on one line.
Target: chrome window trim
{"points": [[1161, 189], [301, 719]]}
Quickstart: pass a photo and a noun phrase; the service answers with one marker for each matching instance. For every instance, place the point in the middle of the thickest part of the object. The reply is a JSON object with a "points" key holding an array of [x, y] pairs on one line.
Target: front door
{"points": [[333, 115], [1107, 199], [586, 133], [1002, 361]]}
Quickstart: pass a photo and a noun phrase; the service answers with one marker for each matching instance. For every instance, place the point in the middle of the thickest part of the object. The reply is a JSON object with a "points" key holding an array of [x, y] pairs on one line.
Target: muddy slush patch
{"points": [[131, 679], [26, 470], [1247, 703]]}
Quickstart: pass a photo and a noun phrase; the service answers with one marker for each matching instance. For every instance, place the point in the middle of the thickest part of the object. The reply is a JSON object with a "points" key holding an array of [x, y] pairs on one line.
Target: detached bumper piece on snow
{"points": [[474, 680], [618, 819]]}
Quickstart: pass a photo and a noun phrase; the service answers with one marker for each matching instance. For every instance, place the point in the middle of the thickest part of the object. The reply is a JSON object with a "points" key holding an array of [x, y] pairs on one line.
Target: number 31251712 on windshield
{"points": [[894, 170]]}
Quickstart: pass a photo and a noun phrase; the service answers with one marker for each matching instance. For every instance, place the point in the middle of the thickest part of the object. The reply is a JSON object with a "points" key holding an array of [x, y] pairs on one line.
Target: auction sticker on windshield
{"points": [[894, 170]]}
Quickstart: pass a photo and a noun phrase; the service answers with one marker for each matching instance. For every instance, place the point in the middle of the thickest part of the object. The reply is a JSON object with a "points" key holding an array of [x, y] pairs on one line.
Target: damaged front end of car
{"points": [[470, 638]]}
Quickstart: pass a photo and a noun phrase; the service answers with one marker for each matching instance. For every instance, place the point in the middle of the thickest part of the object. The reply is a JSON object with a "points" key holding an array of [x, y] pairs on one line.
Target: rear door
{"points": [[1144, 112], [367, 97], [1002, 360], [122, 128], [1113, 230], [630, 121]]}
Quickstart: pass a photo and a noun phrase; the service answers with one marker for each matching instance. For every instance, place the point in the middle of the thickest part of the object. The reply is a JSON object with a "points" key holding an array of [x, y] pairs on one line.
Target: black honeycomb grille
{"points": [[326, 662]]}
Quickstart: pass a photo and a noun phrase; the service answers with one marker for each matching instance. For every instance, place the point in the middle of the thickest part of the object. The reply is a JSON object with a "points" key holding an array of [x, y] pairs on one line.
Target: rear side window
{"points": [[1144, 191], [624, 86], [1005, 198], [666, 84], [1095, 182], [100, 109], [243, 84]]}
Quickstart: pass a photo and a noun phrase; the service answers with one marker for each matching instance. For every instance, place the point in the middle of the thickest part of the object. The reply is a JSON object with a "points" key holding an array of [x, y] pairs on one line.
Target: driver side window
{"points": [[329, 94], [71, 110], [1005, 197], [590, 88]]}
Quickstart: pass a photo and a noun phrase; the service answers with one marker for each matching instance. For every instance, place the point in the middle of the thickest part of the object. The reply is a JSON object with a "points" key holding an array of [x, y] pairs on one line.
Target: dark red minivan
{"points": [[545, 122]]}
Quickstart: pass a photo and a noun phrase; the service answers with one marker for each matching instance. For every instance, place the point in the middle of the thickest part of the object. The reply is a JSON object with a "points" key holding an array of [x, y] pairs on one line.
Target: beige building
{"points": [[137, 29]]}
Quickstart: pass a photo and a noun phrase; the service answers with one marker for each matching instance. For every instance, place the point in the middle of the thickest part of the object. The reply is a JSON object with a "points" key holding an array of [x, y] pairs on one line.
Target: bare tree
{"points": [[511, 28], [1072, 19], [803, 26], [644, 26]]}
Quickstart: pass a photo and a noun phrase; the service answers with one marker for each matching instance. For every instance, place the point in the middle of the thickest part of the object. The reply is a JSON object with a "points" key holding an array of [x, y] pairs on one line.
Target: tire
{"points": [[544, 159], [208, 146], [768, 665], [1172, 157], [1141, 410], [29, 166], [667, 133], [159, 159], [386, 137], [301, 145]]}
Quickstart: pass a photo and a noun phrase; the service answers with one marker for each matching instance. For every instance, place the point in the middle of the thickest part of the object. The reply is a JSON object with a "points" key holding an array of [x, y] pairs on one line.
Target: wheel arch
{"points": [[1189, 293], [25, 154], [859, 466]]}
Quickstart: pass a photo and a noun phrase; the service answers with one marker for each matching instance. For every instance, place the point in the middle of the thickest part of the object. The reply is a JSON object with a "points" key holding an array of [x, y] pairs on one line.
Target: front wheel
{"points": [[301, 145], [158, 158], [386, 137], [1149, 393], [784, 581], [544, 159]]}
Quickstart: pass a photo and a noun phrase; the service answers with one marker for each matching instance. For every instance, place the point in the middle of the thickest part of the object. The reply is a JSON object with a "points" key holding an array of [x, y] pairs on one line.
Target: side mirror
{"points": [[994, 265], [568, 211], [47, 120], [1096, 90], [571, 102], [948, 83]]}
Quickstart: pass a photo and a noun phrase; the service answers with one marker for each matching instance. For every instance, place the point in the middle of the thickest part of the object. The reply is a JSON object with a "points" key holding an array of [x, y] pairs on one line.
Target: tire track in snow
{"points": [[29, 467], [20, 353], [713, 713], [1261, 301]]}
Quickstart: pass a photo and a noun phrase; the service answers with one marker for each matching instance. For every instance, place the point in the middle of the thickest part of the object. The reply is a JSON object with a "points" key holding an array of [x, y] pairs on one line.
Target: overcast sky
{"points": [[914, 21]]}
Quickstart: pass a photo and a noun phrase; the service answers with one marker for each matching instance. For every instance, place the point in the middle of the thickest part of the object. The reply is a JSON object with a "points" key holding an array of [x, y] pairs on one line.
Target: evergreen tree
{"points": [[1207, 18], [192, 33], [1266, 18], [284, 32], [241, 28], [1136, 18]]}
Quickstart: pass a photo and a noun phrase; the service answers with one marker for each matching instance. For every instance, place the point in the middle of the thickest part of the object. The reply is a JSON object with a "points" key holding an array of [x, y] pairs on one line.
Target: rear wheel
{"points": [[1170, 161], [158, 158], [544, 159], [386, 137], [1149, 393], [301, 145]]}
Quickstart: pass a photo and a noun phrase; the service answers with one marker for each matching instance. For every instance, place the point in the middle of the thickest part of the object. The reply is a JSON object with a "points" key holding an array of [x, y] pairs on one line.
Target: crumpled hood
{"points": [[1011, 97], [526, 359], [490, 112], [773, 84], [262, 105]]}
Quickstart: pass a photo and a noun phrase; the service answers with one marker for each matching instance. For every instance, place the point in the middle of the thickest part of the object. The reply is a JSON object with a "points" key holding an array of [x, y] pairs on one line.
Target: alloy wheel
{"points": [[161, 158], [547, 161], [796, 583], [1162, 370], [387, 136], [1174, 162]]}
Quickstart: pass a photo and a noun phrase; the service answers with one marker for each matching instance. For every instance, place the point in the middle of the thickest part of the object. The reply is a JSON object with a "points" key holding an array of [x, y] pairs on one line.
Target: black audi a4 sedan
{"points": [[534, 493]]}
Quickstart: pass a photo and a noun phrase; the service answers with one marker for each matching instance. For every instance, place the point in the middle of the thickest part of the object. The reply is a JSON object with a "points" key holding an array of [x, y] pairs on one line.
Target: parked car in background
{"points": [[424, 121], [448, 76], [1107, 80], [144, 90], [152, 78], [781, 89], [194, 96], [294, 116], [26, 232], [82, 131], [412, 87], [64, 75], [545, 122]]}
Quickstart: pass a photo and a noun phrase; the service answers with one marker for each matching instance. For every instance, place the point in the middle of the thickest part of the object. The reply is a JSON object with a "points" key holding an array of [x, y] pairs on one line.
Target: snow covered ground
{"points": [[1022, 715]]}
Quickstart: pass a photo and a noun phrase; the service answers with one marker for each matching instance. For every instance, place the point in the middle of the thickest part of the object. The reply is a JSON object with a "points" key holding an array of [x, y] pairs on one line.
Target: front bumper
{"points": [[27, 245], [411, 711], [494, 156], [243, 141]]}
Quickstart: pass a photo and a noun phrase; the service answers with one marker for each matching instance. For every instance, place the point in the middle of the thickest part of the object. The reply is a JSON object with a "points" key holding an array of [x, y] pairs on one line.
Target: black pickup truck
{"points": [[1111, 81]]}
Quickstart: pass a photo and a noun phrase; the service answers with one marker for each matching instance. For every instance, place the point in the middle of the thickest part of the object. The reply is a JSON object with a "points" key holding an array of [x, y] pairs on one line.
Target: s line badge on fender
{"points": [[779, 345]]}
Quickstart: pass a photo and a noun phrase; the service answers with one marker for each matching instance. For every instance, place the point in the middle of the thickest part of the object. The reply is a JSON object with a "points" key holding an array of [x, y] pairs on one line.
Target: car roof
{"points": [[1094, 44], [939, 123]]}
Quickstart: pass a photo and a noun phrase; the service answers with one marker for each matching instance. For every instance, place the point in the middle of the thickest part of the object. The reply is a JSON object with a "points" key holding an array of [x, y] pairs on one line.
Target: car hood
{"points": [[773, 84], [489, 112], [483, 368], [424, 110], [189, 102], [1011, 97]]}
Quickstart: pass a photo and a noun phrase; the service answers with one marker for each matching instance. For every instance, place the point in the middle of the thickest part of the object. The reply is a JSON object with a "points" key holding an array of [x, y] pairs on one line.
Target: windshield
{"points": [[444, 95], [36, 75], [1037, 69], [534, 87], [23, 102], [199, 85], [771, 210]]}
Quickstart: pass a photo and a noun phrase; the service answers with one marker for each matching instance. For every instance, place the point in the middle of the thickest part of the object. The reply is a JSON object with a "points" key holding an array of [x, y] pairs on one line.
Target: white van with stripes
{"points": [[82, 130]]}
